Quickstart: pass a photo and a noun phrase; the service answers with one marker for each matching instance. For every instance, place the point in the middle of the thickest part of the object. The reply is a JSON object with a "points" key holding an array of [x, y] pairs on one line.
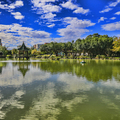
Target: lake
{"points": [[59, 90]]}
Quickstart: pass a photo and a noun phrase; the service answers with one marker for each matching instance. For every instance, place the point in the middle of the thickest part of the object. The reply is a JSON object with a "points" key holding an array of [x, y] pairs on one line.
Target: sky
{"points": [[44, 21]]}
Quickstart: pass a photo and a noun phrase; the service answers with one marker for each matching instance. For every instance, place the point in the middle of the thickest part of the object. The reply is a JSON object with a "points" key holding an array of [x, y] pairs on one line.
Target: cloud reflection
{"points": [[12, 77], [74, 83], [13, 102], [44, 107]]}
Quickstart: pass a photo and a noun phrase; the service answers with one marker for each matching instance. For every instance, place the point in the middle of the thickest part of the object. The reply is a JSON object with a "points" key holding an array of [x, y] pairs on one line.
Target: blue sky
{"points": [[41, 21]]}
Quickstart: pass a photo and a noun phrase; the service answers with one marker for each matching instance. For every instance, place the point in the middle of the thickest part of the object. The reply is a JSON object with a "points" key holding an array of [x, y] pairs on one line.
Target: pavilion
{"points": [[23, 52]]}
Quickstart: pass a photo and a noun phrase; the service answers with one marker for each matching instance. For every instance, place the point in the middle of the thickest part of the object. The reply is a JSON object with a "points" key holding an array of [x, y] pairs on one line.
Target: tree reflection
{"points": [[2, 64], [23, 67], [93, 70]]}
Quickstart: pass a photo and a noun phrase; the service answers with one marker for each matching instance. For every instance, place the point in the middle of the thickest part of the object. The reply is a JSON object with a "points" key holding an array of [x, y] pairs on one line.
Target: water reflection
{"points": [[60, 90], [93, 70]]}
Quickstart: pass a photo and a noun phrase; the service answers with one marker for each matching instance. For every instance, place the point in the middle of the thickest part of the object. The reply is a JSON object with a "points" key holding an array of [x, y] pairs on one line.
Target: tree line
{"points": [[92, 45]]}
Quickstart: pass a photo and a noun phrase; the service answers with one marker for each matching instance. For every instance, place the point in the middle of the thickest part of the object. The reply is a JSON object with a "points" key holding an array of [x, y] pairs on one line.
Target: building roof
{"points": [[23, 47]]}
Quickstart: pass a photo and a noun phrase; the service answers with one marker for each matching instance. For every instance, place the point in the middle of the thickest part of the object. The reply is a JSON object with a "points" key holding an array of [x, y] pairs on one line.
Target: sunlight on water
{"points": [[59, 90]]}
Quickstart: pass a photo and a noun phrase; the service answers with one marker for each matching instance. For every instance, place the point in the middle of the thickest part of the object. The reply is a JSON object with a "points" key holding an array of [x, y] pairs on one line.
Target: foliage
{"points": [[116, 45], [9, 56], [14, 51], [35, 52], [94, 45], [4, 50]]}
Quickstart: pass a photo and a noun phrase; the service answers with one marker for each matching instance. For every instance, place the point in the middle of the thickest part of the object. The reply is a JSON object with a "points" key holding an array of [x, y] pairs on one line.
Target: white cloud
{"points": [[81, 10], [14, 34], [110, 6], [16, 4], [75, 28], [51, 26], [12, 6], [46, 8], [17, 15], [72, 33], [78, 23], [50, 8], [0, 13], [113, 4], [101, 19], [70, 5], [106, 10], [48, 16], [111, 26], [117, 13], [113, 18]]}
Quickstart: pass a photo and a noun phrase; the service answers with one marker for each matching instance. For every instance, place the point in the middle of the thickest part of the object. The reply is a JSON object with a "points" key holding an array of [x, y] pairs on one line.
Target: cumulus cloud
{"points": [[117, 13], [81, 10], [106, 10], [48, 16], [101, 19], [76, 8], [12, 6], [69, 5], [52, 25], [113, 4], [50, 8], [75, 27], [110, 6], [113, 18], [15, 33], [46, 9], [43, 6], [17, 15], [111, 26], [77, 23]]}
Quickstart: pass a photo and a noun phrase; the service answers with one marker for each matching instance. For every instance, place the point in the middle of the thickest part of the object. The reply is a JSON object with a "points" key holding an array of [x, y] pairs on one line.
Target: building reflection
{"points": [[23, 68]]}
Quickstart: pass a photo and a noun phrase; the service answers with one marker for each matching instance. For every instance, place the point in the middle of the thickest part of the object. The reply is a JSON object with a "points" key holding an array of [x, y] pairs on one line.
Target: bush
{"points": [[38, 56], [83, 57], [9, 56], [97, 57], [53, 57], [45, 56], [100, 56]]}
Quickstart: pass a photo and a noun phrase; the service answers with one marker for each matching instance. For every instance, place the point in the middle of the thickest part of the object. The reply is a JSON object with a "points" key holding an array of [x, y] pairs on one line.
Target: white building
{"points": [[37, 46]]}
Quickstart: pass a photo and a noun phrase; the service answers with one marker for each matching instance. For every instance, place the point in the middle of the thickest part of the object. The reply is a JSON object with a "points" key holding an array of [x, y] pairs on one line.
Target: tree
{"points": [[4, 50], [116, 45], [14, 51]]}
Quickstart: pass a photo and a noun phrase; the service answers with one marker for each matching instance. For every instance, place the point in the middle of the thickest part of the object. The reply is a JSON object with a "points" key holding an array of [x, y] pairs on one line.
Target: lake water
{"points": [[59, 90]]}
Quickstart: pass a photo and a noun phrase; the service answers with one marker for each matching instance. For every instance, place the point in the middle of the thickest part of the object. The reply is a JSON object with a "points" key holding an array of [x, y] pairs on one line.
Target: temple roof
{"points": [[23, 47]]}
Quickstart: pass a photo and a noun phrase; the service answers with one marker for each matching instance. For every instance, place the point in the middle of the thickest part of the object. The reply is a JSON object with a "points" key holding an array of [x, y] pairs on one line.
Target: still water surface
{"points": [[60, 90]]}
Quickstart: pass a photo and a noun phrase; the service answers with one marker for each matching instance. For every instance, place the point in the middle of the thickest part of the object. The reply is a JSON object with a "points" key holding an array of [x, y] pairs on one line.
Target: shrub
{"points": [[52, 57], [38, 56], [97, 57], [9, 56]]}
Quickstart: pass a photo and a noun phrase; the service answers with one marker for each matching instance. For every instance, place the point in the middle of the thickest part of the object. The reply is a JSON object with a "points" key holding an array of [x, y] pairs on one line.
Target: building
{"points": [[0, 42], [37, 46]]}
